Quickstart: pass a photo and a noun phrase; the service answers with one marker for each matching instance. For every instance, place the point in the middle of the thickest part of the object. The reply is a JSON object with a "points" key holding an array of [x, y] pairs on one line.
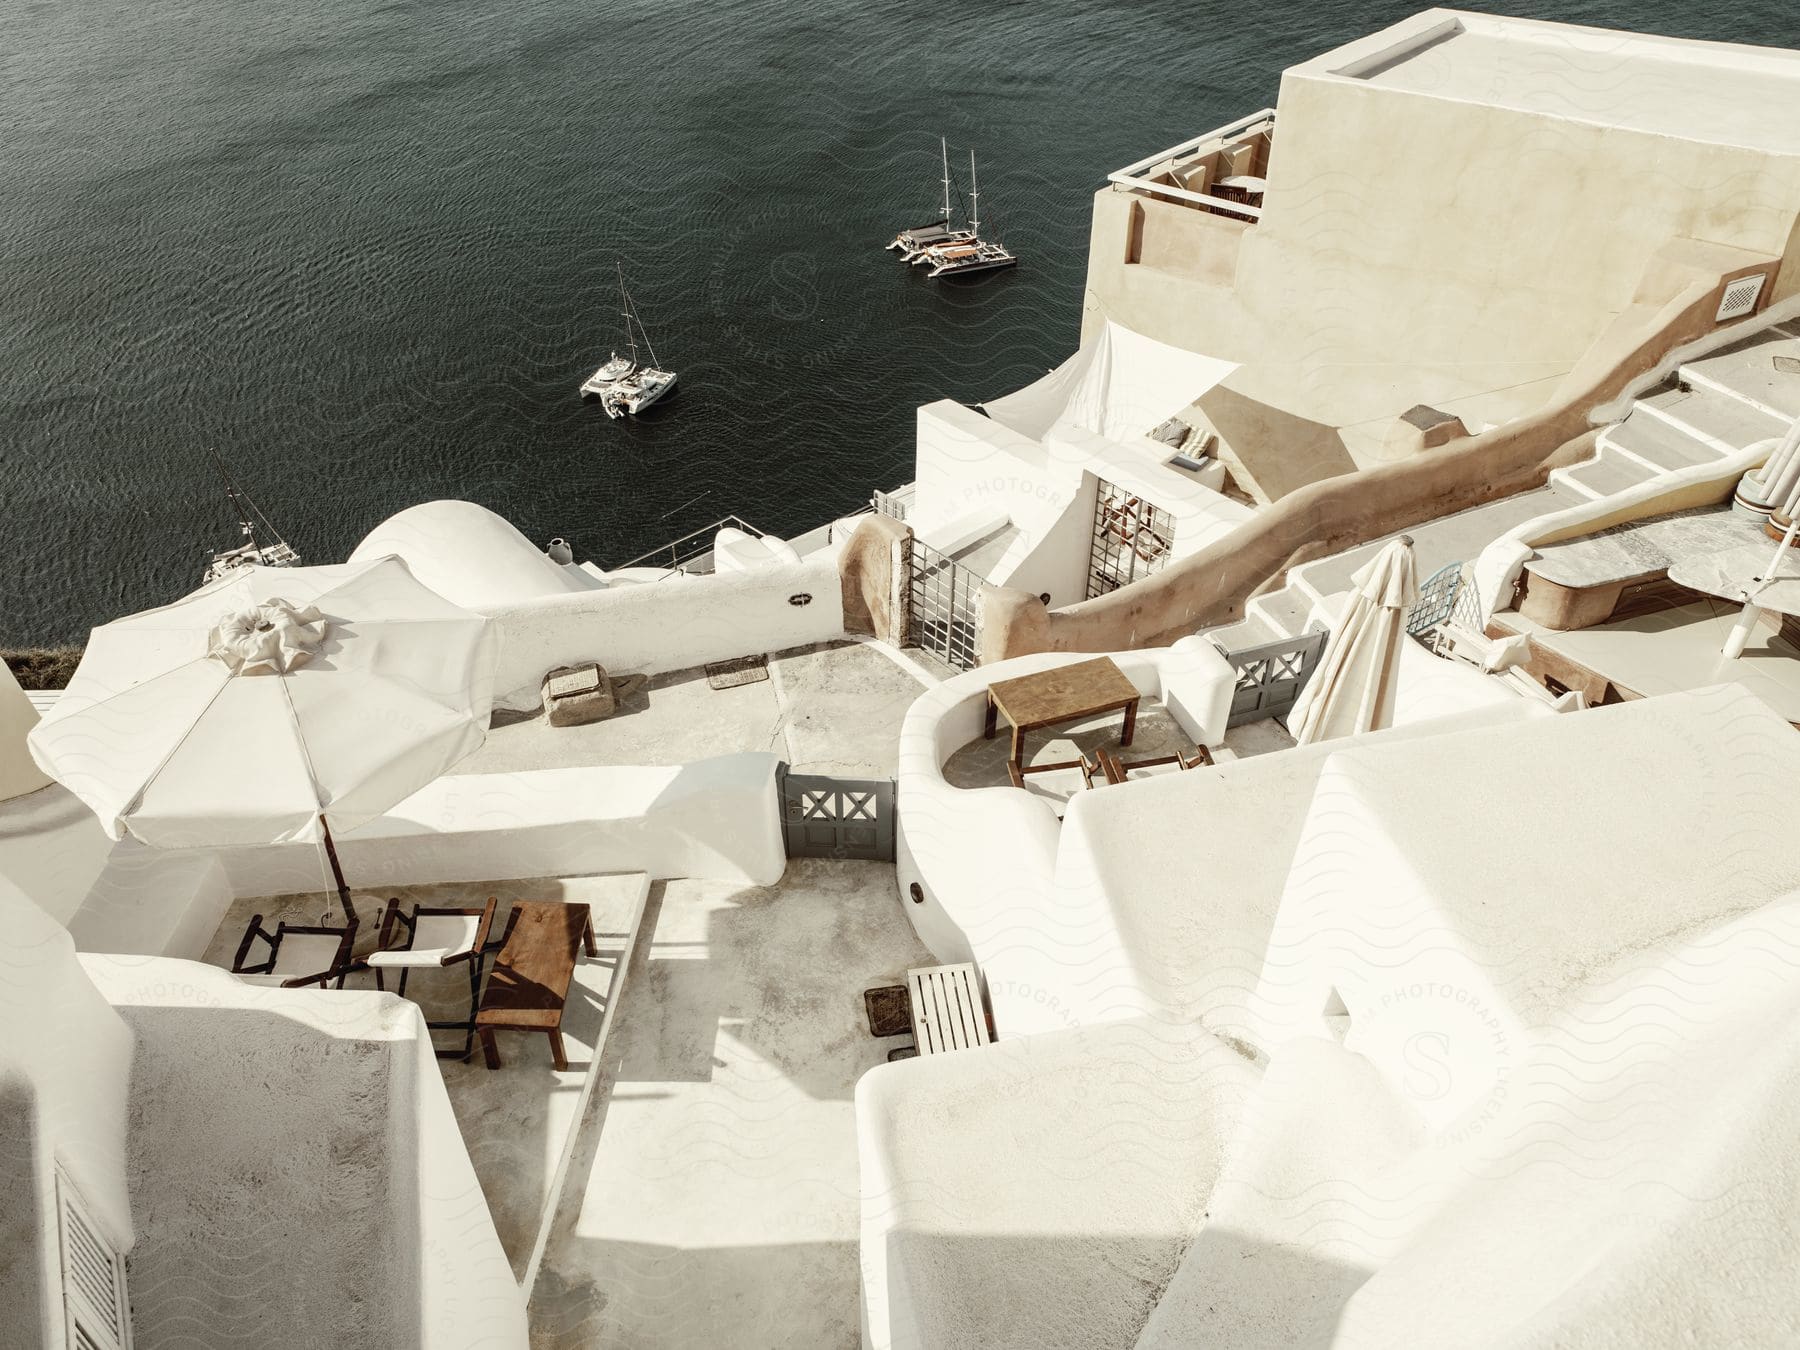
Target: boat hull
{"points": [[626, 398], [968, 266]]}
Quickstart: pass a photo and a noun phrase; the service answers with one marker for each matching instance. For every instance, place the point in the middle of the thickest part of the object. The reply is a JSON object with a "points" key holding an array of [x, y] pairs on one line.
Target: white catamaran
{"points": [[624, 384], [954, 252], [911, 243], [967, 252]]}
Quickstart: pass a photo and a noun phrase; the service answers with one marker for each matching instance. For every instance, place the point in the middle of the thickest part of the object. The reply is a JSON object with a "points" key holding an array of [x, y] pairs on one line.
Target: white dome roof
{"points": [[471, 556]]}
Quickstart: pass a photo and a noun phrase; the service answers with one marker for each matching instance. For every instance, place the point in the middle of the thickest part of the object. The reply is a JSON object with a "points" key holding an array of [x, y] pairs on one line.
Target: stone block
{"points": [[575, 695]]}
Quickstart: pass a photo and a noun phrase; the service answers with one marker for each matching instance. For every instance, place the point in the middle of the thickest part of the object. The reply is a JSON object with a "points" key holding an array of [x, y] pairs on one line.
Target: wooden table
{"points": [[1062, 694], [529, 986], [947, 1012]]}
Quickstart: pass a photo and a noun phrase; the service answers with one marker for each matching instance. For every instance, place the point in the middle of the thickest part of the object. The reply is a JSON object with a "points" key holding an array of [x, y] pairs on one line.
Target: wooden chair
{"points": [[299, 954], [1118, 770], [1088, 768], [436, 938], [529, 987]]}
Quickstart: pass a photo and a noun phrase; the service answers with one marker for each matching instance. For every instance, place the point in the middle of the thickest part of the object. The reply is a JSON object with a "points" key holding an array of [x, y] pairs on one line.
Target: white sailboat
{"points": [[251, 552], [625, 384]]}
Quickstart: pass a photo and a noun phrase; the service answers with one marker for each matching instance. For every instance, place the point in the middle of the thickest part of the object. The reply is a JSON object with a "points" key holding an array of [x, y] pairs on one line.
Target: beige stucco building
{"points": [[1450, 213]]}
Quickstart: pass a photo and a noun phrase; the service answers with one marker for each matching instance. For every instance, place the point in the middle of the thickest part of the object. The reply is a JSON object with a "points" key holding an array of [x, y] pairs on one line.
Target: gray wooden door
{"points": [[1271, 676], [825, 817]]}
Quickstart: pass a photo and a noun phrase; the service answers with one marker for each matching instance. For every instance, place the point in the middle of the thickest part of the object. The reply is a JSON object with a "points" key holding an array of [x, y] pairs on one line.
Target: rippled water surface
{"points": [[366, 251]]}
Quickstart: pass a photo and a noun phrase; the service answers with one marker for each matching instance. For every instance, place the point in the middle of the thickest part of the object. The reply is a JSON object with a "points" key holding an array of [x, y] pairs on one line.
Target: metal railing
{"points": [[690, 548], [896, 504], [1436, 602], [1133, 175], [944, 594]]}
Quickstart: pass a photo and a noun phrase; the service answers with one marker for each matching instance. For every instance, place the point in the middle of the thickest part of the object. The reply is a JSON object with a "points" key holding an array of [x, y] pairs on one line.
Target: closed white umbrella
{"points": [[1739, 636], [274, 705], [1353, 688]]}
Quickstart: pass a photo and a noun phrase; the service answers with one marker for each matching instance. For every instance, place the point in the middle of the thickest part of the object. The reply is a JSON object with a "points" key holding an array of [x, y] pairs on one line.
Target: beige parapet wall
{"points": [[1676, 304], [872, 577]]}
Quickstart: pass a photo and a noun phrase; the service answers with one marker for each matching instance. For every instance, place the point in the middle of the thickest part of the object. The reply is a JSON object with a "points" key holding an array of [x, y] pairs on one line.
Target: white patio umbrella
{"points": [[1353, 688], [273, 705]]}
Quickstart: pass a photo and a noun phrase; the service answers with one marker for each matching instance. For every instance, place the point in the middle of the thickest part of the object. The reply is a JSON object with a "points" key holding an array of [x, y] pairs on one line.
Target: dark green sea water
{"points": [[365, 251]]}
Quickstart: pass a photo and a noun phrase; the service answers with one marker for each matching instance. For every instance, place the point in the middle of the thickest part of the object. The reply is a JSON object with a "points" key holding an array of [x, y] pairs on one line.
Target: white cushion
{"points": [[298, 954], [437, 936]]}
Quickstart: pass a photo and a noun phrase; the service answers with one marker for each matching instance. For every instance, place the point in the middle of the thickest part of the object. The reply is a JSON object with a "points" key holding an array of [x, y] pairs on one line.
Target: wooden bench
{"points": [[947, 1011], [529, 985]]}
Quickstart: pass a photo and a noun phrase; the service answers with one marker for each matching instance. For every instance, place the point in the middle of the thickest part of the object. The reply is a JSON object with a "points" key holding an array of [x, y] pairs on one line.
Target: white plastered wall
{"points": [[65, 1066]]}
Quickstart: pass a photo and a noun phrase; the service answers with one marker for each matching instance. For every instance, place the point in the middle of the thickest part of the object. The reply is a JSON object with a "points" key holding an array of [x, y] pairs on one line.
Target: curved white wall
{"points": [[471, 556], [984, 859]]}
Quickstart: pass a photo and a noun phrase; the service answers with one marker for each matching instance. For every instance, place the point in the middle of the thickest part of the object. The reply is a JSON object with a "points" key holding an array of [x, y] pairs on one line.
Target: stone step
{"points": [[1725, 422], [1658, 442], [1250, 631], [1609, 471], [1746, 371], [1284, 611]]}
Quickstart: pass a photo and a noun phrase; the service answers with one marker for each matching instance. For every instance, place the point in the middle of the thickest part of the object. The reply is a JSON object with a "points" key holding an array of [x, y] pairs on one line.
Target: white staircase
{"points": [[1719, 404]]}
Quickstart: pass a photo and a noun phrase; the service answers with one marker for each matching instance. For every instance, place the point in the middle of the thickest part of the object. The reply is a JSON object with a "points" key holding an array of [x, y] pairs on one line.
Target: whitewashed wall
{"points": [[321, 1120], [65, 1065], [18, 774], [674, 624], [52, 848]]}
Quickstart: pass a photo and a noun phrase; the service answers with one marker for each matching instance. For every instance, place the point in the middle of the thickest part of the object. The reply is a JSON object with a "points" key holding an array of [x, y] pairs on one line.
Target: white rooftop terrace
{"points": [[1716, 92], [694, 1169]]}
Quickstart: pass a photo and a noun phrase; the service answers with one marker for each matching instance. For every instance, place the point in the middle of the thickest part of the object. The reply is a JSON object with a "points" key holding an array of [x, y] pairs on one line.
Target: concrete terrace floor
{"points": [[714, 1196], [1678, 648]]}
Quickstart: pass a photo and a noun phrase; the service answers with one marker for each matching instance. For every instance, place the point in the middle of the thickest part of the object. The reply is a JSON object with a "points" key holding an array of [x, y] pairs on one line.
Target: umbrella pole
{"points": [[1739, 636], [337, 871]]}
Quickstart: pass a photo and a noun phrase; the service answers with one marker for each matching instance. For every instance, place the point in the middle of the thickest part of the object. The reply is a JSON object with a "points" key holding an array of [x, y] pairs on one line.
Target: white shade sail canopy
{"points": [[1119, 385], [1354, 687], [242, 713]]}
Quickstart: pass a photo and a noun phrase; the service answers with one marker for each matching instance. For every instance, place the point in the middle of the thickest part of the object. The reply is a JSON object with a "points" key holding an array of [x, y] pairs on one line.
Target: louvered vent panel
{"points": [[93, 1275], [1740, 297]]}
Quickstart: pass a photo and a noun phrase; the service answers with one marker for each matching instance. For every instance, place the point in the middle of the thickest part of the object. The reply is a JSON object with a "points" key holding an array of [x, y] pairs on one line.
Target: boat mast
{"points": [[644, 333], [974, 199], [944, 150], [625, 309], [246, 526]]}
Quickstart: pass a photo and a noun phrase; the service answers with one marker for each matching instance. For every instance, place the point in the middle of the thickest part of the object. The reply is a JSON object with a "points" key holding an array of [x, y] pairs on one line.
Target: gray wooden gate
{"points": [[1271, 675], [824, 817]]}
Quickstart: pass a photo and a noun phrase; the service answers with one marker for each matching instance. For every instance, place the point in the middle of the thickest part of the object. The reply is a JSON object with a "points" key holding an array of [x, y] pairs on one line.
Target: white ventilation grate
{"points": [[1740, 297], [93, 1278]]}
